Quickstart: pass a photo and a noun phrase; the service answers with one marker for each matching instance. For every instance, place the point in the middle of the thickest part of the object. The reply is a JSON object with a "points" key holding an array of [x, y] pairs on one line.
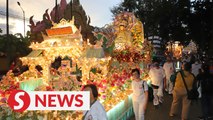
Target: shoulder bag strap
{"points": [[184, 81], [194, 85], [143, 86]]}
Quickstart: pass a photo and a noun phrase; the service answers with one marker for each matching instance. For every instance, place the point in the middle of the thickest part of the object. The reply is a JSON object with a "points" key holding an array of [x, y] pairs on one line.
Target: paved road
{"points": [[162, 113]]}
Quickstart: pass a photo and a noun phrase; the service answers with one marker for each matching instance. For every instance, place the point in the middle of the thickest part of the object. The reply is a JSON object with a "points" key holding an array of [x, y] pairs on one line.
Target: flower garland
{"points": [[128, 55]]}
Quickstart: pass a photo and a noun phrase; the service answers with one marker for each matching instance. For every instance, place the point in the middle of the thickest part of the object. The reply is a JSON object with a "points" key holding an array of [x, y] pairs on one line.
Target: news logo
{"points": [[20, 100]]}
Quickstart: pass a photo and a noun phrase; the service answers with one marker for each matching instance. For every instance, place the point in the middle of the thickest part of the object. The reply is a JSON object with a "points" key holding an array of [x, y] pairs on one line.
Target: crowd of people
{"points": [[195, 73]]}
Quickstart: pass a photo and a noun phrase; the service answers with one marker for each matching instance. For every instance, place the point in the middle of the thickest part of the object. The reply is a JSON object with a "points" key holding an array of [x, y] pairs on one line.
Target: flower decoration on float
{"points": [[128, 55]]}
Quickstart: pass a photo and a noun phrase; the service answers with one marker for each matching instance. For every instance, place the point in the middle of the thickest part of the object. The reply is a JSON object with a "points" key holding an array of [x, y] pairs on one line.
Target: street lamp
{"points": [[7, 18], [56, 11], [23, 15]]}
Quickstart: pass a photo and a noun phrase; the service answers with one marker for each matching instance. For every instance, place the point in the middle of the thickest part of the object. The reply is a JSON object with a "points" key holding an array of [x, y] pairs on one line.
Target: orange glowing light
{"points": [[59, 31]]}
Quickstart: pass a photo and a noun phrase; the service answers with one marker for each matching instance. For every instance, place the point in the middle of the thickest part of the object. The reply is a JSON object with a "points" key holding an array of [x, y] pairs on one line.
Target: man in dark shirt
{"points": [[206, 81]]}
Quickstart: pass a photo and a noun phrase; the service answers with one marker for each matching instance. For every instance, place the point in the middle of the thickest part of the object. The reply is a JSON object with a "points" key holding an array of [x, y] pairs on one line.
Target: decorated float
{"points": [[119, 48]]}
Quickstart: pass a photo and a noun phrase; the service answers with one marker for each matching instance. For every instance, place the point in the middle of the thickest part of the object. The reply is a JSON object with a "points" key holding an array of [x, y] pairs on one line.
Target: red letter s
{"points": [[80, 101]]}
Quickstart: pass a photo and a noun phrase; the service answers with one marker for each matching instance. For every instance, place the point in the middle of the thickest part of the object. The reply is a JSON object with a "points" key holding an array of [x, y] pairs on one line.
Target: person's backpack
{"points": [[193, 93], [150, 92]]}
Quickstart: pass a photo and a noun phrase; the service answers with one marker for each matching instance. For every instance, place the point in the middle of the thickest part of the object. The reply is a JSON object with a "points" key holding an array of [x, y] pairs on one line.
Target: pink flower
{"points": [[103, 96], [82, 88], [1, 92], [104, 87], [3, 100]]}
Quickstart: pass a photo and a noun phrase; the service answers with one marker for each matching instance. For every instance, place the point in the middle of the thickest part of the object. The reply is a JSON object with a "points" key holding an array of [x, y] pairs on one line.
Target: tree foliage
{"points": [[14, 45], [181, 20]]}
